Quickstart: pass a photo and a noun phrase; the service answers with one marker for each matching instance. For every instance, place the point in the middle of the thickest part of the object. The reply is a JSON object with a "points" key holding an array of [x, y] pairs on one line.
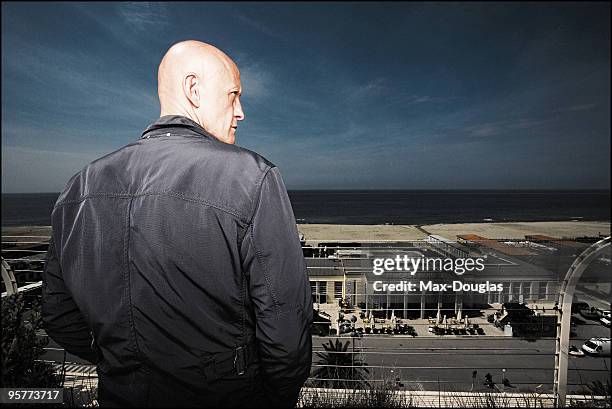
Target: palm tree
{"points": [[340, 368]]}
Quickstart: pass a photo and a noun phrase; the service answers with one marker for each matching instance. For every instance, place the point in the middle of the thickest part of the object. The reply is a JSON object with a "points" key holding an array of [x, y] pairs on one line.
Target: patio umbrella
{"points": [[445, 323], [438, 317], [392, 316], [459, 316], [466, 322]]}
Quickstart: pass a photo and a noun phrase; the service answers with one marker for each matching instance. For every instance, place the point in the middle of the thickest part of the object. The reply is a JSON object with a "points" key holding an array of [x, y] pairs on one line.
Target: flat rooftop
{"points": [[496, 245]]}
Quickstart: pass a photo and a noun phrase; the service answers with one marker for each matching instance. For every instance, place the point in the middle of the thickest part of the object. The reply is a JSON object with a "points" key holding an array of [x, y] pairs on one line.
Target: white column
{"points": [[533, 290], [422, 305], [458, 302]]}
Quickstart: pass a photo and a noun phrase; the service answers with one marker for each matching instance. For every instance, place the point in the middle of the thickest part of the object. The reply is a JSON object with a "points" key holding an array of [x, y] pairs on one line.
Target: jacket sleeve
{"points": [[280, 292], [61, 317]]}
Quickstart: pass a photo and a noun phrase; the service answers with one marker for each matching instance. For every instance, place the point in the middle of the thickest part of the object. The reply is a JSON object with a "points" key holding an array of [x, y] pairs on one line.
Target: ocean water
{"points": [[443, 206], [393, 207]]}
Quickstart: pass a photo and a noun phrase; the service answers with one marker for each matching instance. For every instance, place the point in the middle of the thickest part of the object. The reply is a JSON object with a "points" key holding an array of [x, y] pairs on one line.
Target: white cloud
{"points": [[143, 15], [255, 81], [259, 26], [575, 108], [489, 129], [138, 19], [84, 87], [372, 88], [382, 89]]}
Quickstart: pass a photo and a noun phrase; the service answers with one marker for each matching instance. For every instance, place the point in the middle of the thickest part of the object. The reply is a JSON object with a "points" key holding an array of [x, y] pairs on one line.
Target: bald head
{"points": [[201, 82]]}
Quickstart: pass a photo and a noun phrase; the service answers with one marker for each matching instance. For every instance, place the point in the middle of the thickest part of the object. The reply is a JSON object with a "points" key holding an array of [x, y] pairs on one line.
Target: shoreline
{"points": [[317, 232]]}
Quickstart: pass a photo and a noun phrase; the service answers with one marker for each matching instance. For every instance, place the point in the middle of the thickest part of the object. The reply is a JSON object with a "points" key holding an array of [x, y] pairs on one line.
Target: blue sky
{"points": [[338, 95]]}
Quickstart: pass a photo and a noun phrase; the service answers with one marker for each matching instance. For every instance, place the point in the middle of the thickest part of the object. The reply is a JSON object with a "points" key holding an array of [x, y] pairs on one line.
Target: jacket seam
{"points": [[162, 193], [264, 268], [128, 291], [242, 303], [251, 226], [255, 202], [297, 308], [259, 185]]}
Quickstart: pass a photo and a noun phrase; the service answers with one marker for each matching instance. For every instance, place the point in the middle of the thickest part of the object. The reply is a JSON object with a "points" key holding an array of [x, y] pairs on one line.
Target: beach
{"points": [[314, 233], [512, 230]]}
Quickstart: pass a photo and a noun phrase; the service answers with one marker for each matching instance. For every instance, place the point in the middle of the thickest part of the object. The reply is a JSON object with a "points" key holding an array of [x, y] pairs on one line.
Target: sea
{"points": [[418, 207]]}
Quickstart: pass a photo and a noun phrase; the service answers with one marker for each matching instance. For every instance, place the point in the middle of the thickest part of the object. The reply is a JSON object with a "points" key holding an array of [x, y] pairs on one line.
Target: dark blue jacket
{"points": [[175, 265]]}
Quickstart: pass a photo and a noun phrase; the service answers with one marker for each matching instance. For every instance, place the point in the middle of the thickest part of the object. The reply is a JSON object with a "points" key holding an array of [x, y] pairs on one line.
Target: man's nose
{"points": [[238, 112]]}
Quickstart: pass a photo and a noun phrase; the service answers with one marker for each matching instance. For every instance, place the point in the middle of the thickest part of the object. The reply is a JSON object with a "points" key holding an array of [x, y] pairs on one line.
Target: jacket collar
{"points": [[174, 121]]}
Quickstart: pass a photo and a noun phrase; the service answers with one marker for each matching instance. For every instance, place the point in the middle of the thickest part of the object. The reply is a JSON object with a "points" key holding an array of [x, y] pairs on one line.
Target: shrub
{"points": [[339, 368], [21, 348]]}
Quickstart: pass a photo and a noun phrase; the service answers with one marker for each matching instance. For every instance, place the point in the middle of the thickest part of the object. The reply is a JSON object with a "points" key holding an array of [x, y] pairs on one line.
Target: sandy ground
{"points": [[26, 231], [343, 232], [517, 230], [349, 232]]}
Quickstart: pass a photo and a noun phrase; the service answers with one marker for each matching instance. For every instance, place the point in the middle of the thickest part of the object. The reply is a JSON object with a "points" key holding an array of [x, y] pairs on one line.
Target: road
{"points": [[429, 363]]}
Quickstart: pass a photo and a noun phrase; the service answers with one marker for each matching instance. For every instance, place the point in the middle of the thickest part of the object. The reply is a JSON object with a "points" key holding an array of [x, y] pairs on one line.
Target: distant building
{"points": [[528, 274]]}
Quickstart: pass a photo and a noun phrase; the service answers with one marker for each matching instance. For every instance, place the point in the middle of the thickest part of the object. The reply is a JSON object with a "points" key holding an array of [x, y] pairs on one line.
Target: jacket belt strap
{"points": [[231, 362]]}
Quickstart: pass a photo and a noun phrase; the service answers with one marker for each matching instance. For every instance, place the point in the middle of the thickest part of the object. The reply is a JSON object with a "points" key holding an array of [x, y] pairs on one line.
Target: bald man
{"points": [[175, 263], [200, 82]]}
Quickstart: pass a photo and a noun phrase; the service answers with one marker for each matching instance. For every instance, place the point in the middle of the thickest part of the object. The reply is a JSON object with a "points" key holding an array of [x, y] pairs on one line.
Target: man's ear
{"points": [[191, 88]]}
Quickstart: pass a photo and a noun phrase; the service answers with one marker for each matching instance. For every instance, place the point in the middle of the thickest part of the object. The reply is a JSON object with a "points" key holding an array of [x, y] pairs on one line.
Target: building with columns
{"points": [[528, 271]]}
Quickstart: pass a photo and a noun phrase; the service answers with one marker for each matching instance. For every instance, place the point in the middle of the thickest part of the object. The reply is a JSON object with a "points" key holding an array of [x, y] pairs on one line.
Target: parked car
{"points": [[579, 306], [605, 321], [590, 314], [597, 347], [575, 351], [606, 313]]}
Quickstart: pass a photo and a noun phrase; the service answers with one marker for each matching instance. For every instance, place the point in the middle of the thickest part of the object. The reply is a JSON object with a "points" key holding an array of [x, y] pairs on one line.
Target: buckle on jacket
{"points": [[240, 360]]}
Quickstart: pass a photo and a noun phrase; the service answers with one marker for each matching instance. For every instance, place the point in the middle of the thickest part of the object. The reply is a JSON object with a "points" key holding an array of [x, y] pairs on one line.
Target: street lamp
{"points": [[503, 375]]}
